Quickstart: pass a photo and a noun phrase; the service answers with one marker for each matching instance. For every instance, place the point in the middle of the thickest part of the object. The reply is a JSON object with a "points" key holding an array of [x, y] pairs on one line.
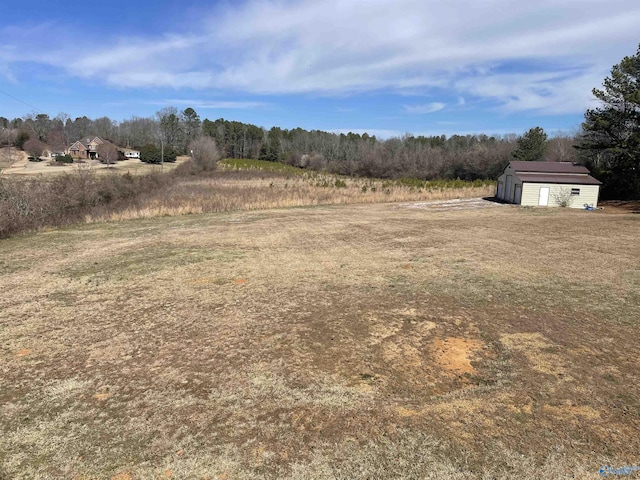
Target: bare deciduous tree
{"points": [[107, 153], [561, 148], [169, 123], [205, 153], [34, 147]]}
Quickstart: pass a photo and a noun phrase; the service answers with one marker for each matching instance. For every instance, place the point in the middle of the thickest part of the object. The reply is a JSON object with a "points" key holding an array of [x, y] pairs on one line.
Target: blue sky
{"points": [[382, 66]]}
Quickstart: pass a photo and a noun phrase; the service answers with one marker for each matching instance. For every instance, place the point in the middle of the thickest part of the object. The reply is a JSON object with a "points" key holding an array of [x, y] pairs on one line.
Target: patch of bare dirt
{"points": [[454, 355], [455, 204], [619, 206]]}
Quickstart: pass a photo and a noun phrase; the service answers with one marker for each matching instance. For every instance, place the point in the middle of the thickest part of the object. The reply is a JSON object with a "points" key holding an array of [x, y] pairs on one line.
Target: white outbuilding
{"points": [[548, 184]]}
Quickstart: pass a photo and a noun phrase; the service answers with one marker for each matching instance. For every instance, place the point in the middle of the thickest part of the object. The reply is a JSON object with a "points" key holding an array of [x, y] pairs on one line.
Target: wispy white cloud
{"points": [[536, 92], [424, 109], [212, 104], [543, 56]]}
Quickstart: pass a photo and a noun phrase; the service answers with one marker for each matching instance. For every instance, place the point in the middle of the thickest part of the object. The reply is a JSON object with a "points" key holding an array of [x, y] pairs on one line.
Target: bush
{"points": [[204, 154], [150, 154], [563, 197], [30, 204], [170, 155], [64, 159]]}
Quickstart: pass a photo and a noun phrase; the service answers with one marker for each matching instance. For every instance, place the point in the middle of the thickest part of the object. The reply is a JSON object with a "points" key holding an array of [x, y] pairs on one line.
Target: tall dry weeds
{"points": [[194, 187], [233, 191]]}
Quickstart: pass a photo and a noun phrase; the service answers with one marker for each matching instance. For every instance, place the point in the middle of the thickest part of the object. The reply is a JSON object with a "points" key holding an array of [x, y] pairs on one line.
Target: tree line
{"points": [[608, 141], [467, 157]]}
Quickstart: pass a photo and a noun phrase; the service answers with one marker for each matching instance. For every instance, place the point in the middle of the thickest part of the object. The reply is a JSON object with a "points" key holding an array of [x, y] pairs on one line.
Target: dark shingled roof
{"points": [[549, 167], [562, 178]]}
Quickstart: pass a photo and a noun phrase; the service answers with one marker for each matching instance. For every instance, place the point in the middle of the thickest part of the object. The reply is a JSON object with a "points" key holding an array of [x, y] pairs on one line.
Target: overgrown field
{"points": [[366, 341], [86, 195], [256, 185]]}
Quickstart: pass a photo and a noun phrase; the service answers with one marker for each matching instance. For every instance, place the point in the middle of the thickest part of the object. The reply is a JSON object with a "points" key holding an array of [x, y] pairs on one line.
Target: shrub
{"points": [[204, 154], [150, 154], [30, 204], [563, 197], [169, 155], [64, 159]]}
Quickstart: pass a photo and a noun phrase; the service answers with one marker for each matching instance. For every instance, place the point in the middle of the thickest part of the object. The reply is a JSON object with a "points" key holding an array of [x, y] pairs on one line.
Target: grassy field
{"points": [[366, 341]]}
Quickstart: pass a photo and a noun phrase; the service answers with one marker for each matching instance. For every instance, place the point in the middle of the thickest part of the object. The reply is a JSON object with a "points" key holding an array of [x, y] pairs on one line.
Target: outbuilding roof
{"points": [[553, 172], [549, 167], [576, 179]]}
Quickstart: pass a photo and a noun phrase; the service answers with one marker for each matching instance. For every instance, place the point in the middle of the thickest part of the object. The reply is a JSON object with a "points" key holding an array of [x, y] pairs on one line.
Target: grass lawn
{"points": [[359, 341]]}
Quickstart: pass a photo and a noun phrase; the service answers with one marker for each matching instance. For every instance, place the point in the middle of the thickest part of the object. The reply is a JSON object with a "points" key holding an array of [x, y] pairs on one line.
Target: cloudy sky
{"points": [[383, 66]]}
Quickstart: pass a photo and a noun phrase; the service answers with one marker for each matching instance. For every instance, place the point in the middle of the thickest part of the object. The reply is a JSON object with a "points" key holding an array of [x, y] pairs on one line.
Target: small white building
{"points": [[132, 153], [548, 184]]}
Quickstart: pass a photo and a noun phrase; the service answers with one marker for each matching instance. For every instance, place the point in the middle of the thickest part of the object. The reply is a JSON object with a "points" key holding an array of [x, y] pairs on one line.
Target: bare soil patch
{"points": [[457, 204], [453, 355], [620, 206]]}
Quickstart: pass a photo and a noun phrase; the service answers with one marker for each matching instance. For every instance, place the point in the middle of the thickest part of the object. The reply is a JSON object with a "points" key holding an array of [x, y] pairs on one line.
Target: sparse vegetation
{"points": [[262, 165], [28, 204], [563, 196]]}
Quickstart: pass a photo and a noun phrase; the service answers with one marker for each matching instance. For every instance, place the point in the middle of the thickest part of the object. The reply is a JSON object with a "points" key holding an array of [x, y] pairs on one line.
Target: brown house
{"points": [[86, 148]]}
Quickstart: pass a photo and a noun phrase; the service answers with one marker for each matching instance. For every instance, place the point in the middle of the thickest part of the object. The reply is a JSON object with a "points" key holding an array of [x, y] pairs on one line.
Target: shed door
{"points": [[507, 193], [500, 188], [518, 195], [543, 200]]}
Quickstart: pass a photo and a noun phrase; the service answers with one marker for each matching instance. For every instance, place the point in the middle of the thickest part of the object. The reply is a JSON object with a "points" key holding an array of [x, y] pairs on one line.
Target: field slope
{"points": [[368, 341]]}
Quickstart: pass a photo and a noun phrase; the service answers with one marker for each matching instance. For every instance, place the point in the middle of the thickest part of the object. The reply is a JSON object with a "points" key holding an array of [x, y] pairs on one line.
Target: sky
{"points": [[387, 67]]}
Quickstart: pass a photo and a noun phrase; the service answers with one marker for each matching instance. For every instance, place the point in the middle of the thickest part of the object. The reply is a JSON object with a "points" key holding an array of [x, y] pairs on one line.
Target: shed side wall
{"points": [[588, 194], [507, 195]]}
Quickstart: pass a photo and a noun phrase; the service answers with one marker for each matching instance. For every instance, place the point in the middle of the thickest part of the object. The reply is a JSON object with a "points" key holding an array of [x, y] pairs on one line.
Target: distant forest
{"points": [[467, 157]]}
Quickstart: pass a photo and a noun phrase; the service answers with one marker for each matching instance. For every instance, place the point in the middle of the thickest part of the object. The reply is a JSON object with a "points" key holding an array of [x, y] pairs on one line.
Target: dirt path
{"points": [[455, 204]]}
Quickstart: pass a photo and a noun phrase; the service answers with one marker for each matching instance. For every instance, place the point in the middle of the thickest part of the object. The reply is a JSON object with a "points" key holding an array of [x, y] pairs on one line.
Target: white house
{"points": [[548, 184], [132, 153]]}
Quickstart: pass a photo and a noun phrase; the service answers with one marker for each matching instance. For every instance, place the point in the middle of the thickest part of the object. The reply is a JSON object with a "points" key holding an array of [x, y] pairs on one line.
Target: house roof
{"points": [[577, 179], [85, 141], [549, 167], [77, 145]]}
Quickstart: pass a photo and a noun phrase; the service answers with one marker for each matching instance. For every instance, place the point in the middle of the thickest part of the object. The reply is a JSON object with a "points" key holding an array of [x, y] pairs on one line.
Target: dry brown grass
{"points": [[236, 191], [368, 341], [49, 168]]}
